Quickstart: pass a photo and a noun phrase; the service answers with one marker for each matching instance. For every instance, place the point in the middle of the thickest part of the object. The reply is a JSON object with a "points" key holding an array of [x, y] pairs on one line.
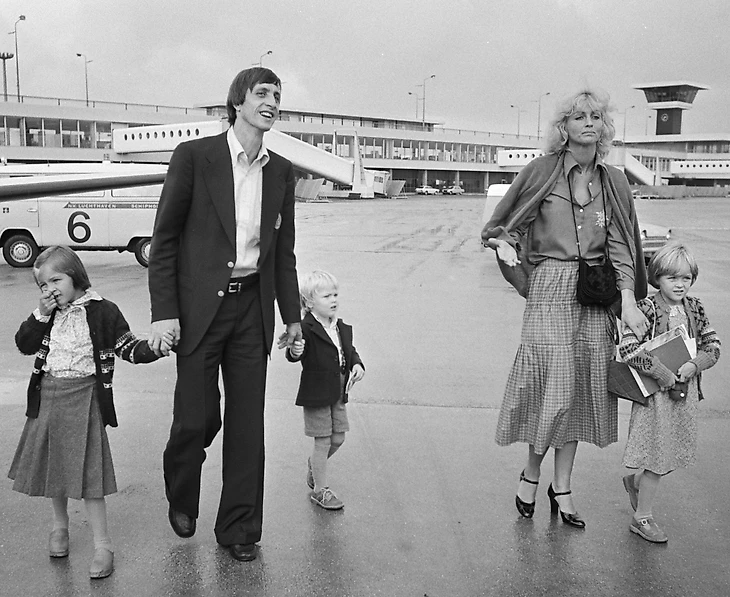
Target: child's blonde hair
{"points": [[314, 282], [668, 261]]}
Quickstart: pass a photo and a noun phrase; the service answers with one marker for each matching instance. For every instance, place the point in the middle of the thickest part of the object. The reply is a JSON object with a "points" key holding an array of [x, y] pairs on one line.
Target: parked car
{"points": [[427, 190], [454, 190], [644, 195], [653, 237]]}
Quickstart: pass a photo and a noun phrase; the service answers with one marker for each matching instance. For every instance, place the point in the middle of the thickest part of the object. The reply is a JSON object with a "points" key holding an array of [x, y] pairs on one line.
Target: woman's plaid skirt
{"points": [[556, 391]]}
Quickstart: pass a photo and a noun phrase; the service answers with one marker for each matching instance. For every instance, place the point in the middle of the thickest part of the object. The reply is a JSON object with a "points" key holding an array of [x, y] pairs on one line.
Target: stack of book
{"points": [[673, 349]]}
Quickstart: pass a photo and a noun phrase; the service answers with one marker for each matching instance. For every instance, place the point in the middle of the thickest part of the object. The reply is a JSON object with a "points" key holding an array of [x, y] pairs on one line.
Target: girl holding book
{"points": [[663, 434]]}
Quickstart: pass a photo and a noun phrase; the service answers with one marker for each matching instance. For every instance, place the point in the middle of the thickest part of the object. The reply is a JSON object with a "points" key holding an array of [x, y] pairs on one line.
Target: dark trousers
{"points": [[234, 345]]}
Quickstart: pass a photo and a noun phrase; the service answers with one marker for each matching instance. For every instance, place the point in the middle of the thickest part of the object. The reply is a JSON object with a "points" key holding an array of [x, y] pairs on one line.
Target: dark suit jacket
{"points": [[320, 381], [194, 240]]}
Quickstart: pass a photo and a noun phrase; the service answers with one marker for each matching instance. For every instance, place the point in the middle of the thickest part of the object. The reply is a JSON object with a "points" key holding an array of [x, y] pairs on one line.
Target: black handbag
{"points": [[596, 283], [621, 383]]}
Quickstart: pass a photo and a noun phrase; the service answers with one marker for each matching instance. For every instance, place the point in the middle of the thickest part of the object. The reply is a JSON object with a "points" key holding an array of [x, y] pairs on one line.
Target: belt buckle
{"points": [[234, 287]]}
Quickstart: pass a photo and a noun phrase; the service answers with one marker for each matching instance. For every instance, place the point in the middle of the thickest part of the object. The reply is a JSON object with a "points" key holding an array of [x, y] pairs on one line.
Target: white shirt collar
{"points": [[332, 325], [235, 148]]}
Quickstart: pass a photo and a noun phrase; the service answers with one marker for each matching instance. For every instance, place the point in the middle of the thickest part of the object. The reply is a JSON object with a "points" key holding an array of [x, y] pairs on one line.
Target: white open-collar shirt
{"points": [[247, 188]]}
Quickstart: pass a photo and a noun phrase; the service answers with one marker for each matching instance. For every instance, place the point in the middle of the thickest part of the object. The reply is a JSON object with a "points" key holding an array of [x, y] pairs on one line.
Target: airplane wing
{"points": [[30, 187]]}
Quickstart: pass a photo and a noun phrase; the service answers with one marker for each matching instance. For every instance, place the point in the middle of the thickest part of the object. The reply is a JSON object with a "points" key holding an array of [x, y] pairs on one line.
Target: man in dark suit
{"points": [[222, 249]]}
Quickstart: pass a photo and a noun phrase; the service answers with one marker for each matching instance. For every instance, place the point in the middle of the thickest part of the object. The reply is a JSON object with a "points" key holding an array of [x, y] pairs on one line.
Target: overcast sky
{"points": [[363, 57]]}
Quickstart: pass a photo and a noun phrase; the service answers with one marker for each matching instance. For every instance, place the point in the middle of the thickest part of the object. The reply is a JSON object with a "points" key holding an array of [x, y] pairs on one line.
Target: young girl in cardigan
{"points": [[64, 451], [663, 434]]}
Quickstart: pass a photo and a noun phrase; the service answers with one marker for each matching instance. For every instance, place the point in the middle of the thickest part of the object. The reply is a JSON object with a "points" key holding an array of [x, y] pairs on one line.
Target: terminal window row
{"points": [[404, 149], [56, 132]]}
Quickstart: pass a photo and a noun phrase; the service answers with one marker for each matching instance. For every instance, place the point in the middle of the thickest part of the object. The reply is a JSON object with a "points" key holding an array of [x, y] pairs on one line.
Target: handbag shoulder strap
{"points": [[655, 317], [575, 223]]}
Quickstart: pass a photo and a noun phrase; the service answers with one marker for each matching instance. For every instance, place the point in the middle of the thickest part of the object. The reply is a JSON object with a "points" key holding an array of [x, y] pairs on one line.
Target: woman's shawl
{"points": [[522, 200]]}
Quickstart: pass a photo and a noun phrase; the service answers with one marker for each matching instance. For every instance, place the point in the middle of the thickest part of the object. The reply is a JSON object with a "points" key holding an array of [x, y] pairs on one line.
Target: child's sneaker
{"points": [[310, 475], [648, 529], [326, 499]]}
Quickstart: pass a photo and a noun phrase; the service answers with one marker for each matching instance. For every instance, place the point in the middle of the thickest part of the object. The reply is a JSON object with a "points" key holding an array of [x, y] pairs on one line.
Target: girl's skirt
{"points": [[64, 452], [663, 434], [556, 390]]}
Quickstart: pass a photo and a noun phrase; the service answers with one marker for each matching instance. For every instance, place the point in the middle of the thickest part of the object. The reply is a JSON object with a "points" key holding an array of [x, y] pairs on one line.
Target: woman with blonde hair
{"points": [[566, 207]]}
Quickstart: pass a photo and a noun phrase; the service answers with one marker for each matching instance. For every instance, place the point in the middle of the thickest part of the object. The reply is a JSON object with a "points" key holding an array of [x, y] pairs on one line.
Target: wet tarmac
{"points": [[429, 496]]}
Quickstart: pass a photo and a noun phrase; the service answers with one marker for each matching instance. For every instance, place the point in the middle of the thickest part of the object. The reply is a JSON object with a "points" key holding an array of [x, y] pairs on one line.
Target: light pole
{"points": [[4, 56], [418, 99], [424, 99], [539, 101], [623, 139], [17, 61], [86, 74], [265, 54], [518, 116]]}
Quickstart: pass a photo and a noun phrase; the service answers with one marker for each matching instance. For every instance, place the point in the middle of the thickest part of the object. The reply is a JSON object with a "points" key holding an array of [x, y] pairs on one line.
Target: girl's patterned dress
{"points": [[663, 434]]}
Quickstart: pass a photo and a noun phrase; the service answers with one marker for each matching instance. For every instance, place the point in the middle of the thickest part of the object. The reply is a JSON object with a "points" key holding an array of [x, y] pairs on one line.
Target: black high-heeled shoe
{"points": [[573, 519], [526, 509]]}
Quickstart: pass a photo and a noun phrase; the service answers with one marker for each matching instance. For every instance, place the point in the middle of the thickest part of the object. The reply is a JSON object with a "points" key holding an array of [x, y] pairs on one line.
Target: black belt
{"points": [[238, 285]]}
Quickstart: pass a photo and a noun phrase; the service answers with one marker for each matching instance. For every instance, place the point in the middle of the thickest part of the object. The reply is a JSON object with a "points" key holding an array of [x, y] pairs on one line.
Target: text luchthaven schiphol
{"points": [[111, 205]]}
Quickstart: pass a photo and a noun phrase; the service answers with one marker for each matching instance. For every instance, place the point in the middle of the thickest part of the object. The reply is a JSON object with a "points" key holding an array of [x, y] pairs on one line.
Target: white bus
{"points": [[108, 220], [97, 220]]}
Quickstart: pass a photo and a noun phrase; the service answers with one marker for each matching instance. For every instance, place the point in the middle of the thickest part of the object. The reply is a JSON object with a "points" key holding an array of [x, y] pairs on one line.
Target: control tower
{"points": [[669, 99]]}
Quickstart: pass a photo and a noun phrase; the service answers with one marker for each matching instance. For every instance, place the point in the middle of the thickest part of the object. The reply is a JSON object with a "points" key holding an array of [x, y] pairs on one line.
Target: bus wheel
{"points": [[142, 251], [20, 250]]}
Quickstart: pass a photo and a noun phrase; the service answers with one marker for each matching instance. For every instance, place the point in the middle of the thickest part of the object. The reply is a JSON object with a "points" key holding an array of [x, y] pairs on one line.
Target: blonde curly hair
{"points": [[593, 100]]}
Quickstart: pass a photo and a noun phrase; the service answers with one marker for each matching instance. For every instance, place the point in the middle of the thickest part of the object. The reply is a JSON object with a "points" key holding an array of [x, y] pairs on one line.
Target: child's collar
{"points": [[325, 324], [84, 299], [662, 303]]}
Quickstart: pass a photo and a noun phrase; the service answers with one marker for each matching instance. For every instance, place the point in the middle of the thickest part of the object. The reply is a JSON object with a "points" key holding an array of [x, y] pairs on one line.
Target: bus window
{"points": [[152, 190]]}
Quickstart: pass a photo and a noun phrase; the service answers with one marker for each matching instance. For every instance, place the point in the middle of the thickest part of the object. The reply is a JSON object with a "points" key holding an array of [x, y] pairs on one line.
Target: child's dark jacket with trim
{"points": [[110, 335]]}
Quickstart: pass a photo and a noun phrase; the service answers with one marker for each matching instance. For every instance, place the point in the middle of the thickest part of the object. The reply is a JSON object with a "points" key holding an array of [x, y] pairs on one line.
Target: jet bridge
{"points": [[32, 181], [306, 157]]}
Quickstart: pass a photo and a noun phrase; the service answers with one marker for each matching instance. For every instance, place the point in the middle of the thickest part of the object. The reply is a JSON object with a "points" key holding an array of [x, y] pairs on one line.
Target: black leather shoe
{"points": [[182, 524], [243, 552], [570, 518], [526, 509]]}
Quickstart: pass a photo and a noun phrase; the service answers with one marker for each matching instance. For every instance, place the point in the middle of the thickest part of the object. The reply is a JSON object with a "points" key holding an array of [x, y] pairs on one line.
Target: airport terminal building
{"points": [[46, 130]]}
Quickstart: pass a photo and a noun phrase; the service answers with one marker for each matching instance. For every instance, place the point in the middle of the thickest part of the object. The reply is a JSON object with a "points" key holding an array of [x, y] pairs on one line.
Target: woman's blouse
{"points": [[553, 234], [70, 351]]}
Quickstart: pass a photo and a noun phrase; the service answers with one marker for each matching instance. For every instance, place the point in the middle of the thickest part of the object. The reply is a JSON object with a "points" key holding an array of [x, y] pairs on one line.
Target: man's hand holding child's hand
{"points": [[297, 348], [167, 343]]}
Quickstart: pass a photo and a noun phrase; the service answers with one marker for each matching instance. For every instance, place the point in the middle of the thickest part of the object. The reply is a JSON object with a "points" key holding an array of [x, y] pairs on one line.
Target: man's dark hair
{"points": [[244, 82]]}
